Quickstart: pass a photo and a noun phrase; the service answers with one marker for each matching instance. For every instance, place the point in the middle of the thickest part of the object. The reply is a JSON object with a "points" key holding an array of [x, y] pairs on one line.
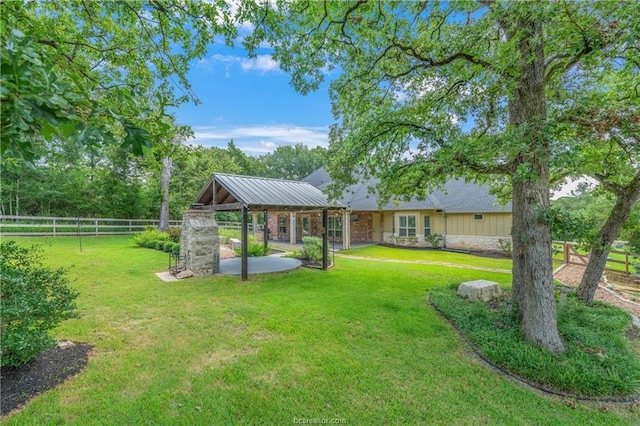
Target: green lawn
{"points": [[359, 342], [405, 254]]}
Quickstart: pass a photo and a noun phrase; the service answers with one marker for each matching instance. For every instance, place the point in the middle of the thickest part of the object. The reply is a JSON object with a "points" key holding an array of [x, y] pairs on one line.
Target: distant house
{"points": [[464, 215]]}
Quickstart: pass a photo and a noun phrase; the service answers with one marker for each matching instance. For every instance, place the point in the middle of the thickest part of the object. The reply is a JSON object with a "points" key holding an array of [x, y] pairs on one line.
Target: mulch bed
{"points": [[44, 372]]}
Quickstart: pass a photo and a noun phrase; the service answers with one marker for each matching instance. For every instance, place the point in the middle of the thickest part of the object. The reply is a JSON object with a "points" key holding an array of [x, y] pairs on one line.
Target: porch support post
{"points": [[292, 228], [325, 239], [254, 222], [245, 244], [265, 231], [346, 230]]}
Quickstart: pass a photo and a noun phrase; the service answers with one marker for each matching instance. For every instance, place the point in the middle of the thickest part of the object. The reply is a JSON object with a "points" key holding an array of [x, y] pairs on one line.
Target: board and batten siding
{"points": [[491, 224]]}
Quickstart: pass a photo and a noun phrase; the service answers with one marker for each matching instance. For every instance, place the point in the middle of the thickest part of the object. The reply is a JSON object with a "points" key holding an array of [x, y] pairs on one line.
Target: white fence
{"points": [[59, 226], [53, 226]]}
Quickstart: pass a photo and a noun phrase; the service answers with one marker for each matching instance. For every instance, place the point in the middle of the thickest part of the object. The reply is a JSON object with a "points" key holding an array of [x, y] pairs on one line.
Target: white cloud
{"points": [[261, 138], [268, 145], [261, 63]]}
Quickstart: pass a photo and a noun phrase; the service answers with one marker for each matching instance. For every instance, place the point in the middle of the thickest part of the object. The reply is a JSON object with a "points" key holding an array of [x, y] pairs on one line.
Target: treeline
{"points": [[109, 181]]}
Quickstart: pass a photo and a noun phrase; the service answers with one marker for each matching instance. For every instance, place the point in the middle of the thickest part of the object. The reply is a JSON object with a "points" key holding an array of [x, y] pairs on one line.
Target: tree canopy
{"points": [[98, 71], [431, 90]]}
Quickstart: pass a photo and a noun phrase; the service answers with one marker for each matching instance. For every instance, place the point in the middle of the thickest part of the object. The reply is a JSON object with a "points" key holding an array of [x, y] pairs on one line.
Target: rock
{"points": [[234, 243], [482, 290], [64, 344], [184, 274]]}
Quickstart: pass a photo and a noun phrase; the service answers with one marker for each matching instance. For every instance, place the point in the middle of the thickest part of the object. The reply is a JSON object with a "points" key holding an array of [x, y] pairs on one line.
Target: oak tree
{"points": [[425, 91]]}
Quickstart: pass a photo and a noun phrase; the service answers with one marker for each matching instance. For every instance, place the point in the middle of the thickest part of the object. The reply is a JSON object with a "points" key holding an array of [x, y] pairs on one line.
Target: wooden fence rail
{"points": [[571, 255], [60, 226]]}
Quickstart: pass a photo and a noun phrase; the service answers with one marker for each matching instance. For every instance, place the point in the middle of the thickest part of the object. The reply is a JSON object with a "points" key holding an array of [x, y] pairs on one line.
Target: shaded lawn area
{"points": [[359, 342], [407, 254]]}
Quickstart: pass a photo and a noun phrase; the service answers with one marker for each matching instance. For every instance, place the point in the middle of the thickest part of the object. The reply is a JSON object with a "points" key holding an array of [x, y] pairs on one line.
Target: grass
{"points": [[598, 360], [358, 342], [398, 253]]}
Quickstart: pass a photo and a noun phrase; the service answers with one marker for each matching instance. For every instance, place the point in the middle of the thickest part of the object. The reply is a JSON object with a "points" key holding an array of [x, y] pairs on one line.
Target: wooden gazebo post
{"points": [[244, 244], [325, 238]]}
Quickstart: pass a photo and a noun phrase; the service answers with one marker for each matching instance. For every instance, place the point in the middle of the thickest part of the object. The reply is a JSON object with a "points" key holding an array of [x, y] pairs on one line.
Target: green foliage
{"points": [[505, 247], [174, 233], [35, 299], [598, 360], [293, 162], [254, 249], [311, 249], [150, 235], [93, 72], [434, 239], [168, 246]]}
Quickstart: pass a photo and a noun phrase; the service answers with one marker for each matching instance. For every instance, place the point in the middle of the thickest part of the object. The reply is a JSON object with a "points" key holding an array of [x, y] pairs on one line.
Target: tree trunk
{"points": [[167, 165], [625, 202], [532, 283]]}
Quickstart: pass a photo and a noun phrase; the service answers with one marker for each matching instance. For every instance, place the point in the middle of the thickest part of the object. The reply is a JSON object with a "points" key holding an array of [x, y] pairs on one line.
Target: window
{"points": [[306, 225], [407, 226], [282, 225], [335, 227], [427, 226], [478, 217]]}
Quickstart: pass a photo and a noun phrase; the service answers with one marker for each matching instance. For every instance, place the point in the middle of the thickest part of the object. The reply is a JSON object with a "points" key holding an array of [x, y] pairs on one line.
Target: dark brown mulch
{"points": [[44, 372]]}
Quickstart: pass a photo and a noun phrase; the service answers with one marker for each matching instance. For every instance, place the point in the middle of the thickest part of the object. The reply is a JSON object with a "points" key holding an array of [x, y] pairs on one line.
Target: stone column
{"points": [[346, 230], [199, 242], [292, 228]]}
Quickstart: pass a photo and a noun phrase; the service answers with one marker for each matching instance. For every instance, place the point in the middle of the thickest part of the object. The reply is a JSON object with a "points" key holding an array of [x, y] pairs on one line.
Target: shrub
{"points": [[176, 248], [168, 246], [174, 234], [254, 250], [35, 299], [311, 248], [159, 245], [149, 234], [505, 246], [598, 360], [434, 239]]}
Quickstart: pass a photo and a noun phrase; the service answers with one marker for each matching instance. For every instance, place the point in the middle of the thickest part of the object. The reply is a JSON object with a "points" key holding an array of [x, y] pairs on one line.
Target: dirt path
{"points": [[424, 262], [571, 276]]}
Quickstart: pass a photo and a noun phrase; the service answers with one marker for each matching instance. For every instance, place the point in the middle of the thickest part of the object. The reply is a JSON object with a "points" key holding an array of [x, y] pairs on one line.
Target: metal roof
{"points": [[263, 193], [458, 196]]}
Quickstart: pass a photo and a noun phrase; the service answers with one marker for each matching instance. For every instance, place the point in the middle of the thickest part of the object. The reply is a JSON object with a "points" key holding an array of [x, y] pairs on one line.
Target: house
{"points": [[462, 216]]}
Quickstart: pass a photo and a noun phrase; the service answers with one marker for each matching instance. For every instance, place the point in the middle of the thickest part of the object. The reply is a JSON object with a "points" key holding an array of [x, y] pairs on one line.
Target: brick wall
{"points": [[362, 229]]}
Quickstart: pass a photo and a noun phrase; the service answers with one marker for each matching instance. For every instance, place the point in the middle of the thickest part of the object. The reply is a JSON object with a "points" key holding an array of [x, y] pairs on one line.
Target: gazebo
{"points": [[226, 192]]}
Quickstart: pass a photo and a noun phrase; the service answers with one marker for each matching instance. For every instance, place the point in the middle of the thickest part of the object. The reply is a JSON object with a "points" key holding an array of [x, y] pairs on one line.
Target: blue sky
{"points": [[251, 101]]}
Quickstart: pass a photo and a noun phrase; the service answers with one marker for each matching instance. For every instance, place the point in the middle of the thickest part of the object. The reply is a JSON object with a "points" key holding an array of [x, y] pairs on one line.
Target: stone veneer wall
{"points": [[463, 242], [199, 242]]}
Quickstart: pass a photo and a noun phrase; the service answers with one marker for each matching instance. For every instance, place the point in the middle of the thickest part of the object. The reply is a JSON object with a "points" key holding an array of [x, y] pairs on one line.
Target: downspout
{"points": [[444, 237]]}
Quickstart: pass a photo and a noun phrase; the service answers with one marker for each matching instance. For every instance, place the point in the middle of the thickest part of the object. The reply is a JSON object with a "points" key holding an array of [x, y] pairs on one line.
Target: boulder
{"points": [[184, 274], [482, 290]]}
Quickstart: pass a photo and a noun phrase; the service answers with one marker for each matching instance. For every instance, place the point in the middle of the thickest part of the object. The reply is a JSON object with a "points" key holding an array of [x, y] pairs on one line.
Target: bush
{"points": [[174, 234], [598, 360], [168, 246], [311, 248], [254, 250], [35, 299], [434, 239], [176, 248], [149, 234]]}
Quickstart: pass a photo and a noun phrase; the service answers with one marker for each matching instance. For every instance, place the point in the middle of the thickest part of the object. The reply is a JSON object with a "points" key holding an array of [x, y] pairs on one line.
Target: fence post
{"points": [[626, 263], [96, 224], [54, 227], [566, 256]]}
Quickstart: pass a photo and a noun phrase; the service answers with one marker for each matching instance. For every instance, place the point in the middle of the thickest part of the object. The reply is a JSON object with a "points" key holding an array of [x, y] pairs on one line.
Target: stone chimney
{"points": [[199, 242]]}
